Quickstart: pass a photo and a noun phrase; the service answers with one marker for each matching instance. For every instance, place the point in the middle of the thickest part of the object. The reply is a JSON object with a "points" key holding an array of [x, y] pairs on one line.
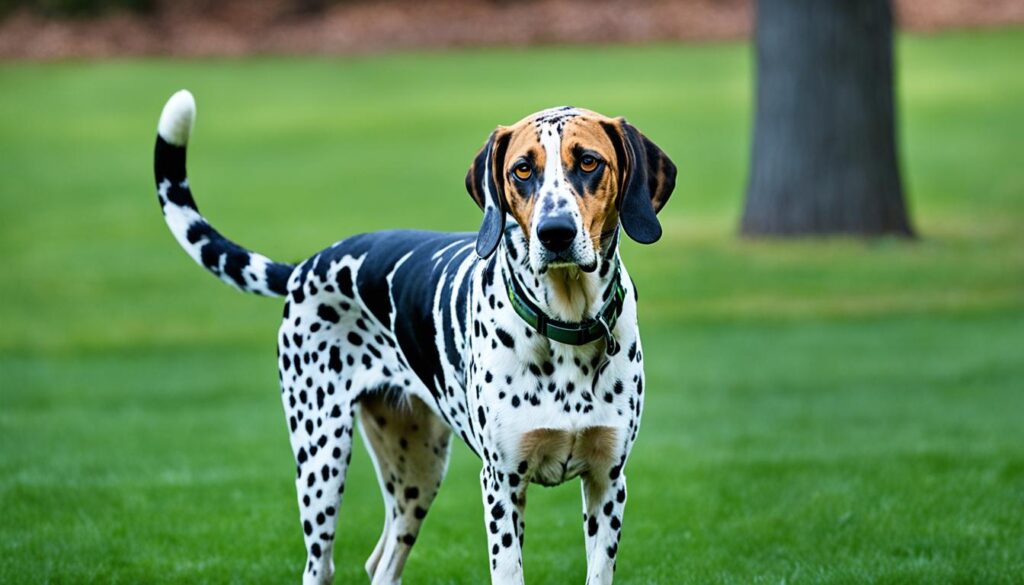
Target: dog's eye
{"points": [[588, 164], [522, 171]]}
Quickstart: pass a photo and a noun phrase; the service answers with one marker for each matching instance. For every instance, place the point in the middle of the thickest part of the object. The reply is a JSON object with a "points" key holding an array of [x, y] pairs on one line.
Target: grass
{"points": [[819, 411]]}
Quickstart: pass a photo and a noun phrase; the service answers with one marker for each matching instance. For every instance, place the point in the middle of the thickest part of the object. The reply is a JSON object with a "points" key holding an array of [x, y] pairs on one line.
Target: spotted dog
{"points": [[521, 338]]}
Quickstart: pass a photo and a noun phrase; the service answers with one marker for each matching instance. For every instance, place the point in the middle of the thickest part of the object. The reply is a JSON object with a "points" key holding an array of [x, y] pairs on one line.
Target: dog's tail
{"points": [[243, 269]]}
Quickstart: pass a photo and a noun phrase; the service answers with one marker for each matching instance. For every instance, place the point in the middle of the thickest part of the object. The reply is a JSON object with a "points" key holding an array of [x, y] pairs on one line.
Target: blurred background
{"points": [[833, 321]]}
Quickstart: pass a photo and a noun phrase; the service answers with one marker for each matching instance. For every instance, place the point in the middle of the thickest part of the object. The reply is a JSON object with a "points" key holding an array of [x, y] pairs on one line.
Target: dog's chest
{"points": [[559, 409]]}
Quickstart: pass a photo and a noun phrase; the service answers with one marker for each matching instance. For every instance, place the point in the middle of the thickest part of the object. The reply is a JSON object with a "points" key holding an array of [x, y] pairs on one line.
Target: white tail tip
{"points": [[177, 118]]}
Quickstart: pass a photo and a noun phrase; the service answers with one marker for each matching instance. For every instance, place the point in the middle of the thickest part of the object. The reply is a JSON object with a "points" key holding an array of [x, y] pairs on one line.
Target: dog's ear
{"points": [[646, 180], [485, 183]]}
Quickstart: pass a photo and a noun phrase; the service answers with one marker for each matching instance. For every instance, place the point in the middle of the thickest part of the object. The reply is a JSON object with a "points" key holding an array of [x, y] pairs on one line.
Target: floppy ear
{"points": [[484, 181], [646, 181]]}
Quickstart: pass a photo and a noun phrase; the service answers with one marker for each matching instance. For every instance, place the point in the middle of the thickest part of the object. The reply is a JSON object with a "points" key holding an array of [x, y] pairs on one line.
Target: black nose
{"points": [[556, 233]]}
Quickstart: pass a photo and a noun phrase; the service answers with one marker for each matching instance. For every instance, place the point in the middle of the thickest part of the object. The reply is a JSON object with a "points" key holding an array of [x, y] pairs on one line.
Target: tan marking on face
{"points": [[524, 142], [597, 206], [582, 132]]}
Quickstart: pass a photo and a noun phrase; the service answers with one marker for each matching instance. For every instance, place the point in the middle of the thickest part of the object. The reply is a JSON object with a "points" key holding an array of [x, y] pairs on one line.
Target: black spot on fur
{"points": [[344, 281], [328, 313], [334, 360], [504, 337]]}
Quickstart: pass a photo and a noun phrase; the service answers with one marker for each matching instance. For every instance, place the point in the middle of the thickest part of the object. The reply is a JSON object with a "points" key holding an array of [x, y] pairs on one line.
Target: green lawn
{"points": [[819, 411]]}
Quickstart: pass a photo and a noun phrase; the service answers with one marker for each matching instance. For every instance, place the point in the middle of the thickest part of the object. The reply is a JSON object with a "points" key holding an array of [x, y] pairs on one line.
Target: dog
{"points": [[520, 338]]}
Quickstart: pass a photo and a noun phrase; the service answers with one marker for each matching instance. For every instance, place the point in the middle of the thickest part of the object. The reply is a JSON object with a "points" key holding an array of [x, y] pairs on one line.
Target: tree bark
{"points": [[824, 152]]}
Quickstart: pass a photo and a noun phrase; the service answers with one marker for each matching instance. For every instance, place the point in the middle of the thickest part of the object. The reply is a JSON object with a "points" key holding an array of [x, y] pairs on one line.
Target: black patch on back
{"points": [[412, 290]]}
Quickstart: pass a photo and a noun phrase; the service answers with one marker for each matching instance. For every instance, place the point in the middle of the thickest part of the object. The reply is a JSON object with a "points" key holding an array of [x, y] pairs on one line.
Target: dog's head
{"points": [[569, 177]]}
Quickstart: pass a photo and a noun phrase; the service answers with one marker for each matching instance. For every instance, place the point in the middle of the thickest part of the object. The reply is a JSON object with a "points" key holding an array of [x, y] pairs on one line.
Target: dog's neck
{"points": [[564, 293]]}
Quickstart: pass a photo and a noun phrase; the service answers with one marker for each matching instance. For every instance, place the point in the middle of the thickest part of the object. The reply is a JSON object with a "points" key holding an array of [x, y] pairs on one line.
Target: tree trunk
{"points": [[824, 156]]}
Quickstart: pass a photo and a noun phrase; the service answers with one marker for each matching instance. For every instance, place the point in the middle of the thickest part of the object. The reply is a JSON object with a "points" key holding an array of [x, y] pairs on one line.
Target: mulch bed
{"points": [[243, 27]]}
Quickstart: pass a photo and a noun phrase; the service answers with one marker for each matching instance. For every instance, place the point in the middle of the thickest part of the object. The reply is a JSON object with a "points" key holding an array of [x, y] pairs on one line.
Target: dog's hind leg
{"points": [[319, 403], [409, 446]]}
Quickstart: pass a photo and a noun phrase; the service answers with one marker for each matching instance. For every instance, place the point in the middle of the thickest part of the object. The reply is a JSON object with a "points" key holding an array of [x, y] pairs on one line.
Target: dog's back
{"points": [[410, 286]]}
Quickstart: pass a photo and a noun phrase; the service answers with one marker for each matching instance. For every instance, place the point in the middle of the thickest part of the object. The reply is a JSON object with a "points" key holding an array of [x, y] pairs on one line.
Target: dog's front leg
{"points": [[504, 496], [604, 500]]}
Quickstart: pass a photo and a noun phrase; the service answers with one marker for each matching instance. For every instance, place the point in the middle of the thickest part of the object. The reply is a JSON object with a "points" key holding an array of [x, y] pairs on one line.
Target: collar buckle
{"points": [[612, 346]]}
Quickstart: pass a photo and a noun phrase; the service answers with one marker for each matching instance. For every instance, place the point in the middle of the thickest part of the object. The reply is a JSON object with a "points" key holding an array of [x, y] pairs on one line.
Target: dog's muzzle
{"points": [[558, 243]]}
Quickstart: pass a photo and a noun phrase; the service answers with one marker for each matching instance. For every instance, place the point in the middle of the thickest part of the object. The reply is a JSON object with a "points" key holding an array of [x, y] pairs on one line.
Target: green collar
{"points": [[582, 333]]}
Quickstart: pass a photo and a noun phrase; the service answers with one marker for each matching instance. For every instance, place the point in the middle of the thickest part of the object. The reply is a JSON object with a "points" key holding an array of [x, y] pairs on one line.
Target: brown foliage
{"points": [[239, 27]]}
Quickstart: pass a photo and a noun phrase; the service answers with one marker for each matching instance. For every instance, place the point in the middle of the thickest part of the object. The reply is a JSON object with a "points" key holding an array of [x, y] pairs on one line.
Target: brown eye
{"points": [[523, 171], [588, 164]]}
